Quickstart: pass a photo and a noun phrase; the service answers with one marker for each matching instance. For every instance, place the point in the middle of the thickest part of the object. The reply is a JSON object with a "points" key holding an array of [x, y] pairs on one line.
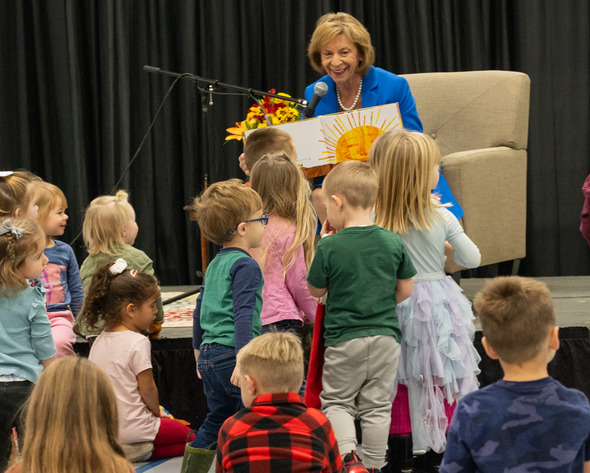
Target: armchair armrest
{"points": [[490, 185]]}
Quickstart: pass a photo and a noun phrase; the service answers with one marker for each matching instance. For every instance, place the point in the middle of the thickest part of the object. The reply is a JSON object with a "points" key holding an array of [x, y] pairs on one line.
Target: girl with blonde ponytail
{"points": [[288, 245]]}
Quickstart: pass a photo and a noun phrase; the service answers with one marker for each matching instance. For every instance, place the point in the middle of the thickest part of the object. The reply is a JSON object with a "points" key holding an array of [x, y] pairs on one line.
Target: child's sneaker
{"points": [[352, 464]]}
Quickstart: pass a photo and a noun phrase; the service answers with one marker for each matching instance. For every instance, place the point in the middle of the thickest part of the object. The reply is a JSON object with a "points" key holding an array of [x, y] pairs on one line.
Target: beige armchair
{"points": [[480, 122]]}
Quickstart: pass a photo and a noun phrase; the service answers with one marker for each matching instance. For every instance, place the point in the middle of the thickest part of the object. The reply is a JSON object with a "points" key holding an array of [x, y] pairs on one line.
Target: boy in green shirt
{"points": [[227, 315], [366, 271]]}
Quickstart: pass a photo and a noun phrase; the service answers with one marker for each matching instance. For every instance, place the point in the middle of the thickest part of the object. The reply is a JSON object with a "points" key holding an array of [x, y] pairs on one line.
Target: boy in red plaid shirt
{"points": [[276, 432]]}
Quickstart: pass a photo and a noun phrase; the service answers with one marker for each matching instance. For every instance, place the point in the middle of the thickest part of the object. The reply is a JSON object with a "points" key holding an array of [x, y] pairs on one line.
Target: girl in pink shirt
{"points": [[288, 244], [126, 303]]}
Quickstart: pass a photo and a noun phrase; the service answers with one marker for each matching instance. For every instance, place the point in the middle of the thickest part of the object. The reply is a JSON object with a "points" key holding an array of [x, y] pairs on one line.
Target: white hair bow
{"points": [[118, 266], [8, 227]]}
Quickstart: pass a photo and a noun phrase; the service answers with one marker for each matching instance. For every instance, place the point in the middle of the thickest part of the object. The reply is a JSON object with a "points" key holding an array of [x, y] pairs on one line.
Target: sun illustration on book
{"points": [[348, 136]]}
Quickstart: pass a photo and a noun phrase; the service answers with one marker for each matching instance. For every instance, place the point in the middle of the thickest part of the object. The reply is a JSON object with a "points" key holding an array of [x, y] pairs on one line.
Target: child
{"points": [[264, 141], [109, 232], [275, 423], [227, 314], [364, 269], [17, 195], [438, 361], [288, 243], [71, 422], [61, 278], [26, 346], [125, 302], [527, 421]]}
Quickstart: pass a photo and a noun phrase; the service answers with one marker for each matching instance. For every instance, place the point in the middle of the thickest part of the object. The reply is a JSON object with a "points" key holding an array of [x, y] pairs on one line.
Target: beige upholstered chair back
{"points": [[473, 110], [480, 122]]}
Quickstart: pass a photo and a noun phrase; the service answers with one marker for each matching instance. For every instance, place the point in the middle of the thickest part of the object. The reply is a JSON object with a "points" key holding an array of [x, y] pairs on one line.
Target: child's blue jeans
{"points": [[216, 364]]}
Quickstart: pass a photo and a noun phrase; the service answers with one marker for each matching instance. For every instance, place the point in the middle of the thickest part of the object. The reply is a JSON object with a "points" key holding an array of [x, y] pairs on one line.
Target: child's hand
{"points": [[449, 252], [235, 377], [327, 229], [242, 163], [197, 352]]}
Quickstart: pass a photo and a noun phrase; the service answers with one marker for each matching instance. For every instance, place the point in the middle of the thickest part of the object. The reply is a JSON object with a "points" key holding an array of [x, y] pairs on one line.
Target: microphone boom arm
{"points": [[215, 83]]}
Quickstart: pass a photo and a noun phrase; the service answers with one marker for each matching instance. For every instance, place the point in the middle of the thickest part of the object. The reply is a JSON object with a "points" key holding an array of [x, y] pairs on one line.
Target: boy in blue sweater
{"points": [[527, 421], [227, 315]]}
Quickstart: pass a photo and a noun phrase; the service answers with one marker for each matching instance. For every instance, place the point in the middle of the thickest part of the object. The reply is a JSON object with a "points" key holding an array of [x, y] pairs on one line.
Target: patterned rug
{"points": [[179, 313]]}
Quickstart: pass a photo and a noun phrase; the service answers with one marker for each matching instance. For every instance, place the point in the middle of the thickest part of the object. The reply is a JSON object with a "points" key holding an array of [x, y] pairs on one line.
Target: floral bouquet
{"points": [[277, 110]]}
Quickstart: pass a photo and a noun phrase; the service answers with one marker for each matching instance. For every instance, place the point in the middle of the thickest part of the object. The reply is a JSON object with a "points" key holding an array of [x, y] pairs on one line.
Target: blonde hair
{"points": [[16, 192], [286, 193], [222, 207], [516, 315], [49, 197], [404, 161], [105, 218], [265, 141], [331, 25], [275, 360], [356, 181], [71, 424], [14, 251]]}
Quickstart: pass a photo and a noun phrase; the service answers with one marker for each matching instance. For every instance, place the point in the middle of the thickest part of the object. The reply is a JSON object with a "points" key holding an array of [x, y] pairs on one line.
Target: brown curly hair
{"points": [[108, 294]]}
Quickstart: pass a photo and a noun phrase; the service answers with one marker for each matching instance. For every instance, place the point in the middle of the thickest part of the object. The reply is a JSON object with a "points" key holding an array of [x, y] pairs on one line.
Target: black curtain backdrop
{"points": [[75, 101]]}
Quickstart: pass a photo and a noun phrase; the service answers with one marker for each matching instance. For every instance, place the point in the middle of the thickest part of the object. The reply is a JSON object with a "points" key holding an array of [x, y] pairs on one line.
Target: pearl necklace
{"points": [[356, 99]]}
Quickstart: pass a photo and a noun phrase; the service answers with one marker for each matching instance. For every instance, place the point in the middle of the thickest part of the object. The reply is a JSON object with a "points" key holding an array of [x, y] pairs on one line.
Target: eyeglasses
{"points": [[263, 220]]}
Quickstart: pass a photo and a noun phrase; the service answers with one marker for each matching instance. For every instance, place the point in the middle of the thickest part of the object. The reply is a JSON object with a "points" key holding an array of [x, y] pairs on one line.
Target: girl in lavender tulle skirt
{"points": [[439, 363]]}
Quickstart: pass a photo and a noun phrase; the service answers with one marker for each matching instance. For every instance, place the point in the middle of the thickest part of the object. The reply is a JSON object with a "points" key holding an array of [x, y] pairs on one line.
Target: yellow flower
{"points": [[287, 114], [237, 132]]}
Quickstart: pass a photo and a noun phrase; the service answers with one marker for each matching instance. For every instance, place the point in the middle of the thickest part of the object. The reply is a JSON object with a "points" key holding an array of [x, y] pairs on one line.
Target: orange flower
{"points": [[237, 132]]}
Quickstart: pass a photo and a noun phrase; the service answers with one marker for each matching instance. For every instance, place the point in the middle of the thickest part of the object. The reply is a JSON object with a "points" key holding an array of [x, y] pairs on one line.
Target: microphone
{"points": [[319, 91]]}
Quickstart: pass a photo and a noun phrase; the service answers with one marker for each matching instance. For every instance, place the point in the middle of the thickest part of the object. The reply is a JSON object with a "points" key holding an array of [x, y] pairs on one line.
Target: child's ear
{"points": [[488, 348], [130, 309], [554, 338], [251, 384], [241, 230], [338, 200], [17, 212]]}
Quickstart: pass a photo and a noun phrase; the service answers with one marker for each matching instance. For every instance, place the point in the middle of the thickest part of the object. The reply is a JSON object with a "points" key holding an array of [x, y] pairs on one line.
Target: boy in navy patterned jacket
{"points": [[527, 421], [276, 432]]}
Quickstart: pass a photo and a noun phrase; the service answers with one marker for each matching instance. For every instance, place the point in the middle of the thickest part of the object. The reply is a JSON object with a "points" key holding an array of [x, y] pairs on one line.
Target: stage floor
{"points": [[571, 296]]}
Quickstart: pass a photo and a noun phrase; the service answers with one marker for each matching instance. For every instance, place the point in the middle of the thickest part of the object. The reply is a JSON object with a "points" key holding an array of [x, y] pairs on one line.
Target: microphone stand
{"points": [[206, 102]]}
